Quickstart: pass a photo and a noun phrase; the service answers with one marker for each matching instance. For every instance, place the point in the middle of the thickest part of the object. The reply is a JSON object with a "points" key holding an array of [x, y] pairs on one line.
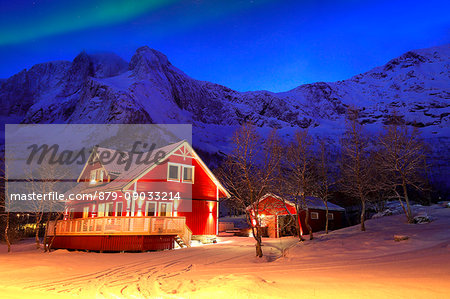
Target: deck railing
{"points": [[122, 226]]}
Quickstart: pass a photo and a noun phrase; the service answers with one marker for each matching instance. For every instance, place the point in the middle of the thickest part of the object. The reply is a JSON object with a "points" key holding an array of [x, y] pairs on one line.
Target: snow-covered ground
{"points": [[346, 263]]}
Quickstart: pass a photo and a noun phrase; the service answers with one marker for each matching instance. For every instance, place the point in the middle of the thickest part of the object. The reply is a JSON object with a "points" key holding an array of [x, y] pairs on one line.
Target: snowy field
{"points": [[344, 264]]}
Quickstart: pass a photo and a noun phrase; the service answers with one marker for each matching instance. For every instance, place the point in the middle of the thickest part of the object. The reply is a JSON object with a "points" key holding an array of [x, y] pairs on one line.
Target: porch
{"points": [[120, 233]]}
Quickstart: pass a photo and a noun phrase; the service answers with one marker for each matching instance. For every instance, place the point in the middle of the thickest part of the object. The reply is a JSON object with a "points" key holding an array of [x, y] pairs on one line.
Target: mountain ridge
{"points": [[104, 88]]}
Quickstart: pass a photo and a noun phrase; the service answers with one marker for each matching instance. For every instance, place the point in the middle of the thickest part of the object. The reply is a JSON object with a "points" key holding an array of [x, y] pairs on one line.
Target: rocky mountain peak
{"points": [[147, 60]]}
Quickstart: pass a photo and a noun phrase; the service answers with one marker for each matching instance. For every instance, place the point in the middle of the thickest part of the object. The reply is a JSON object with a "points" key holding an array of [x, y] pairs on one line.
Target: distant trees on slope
{"points": [[367, 168]]}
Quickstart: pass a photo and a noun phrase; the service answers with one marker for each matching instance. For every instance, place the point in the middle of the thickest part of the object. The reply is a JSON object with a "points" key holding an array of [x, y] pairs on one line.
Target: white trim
{"points": [[330, 216], [217, 210], [315, 217], [207, 170]]}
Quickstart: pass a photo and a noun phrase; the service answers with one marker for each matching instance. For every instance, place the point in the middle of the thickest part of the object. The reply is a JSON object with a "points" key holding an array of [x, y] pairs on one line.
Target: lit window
{"points": [[85, 212], [330, 216], [119, 208], [93, 177], [101, 210], [188, 174], [96, 176], [165, 209], [109, 209], [173, 173], [314, 215], [150, 209]]}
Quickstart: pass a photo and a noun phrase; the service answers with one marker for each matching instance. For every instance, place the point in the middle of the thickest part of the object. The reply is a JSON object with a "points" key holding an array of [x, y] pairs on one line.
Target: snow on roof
{"points": [[127, 176], [312, 202], [318, 204], [124, 177]]}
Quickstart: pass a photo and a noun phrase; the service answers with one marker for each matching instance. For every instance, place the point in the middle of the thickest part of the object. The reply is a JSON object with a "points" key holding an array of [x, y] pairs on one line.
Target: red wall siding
{"points": [[114, 243], [319, 224], [203, 218], [273, 206], [201, 213], [156, 180]]}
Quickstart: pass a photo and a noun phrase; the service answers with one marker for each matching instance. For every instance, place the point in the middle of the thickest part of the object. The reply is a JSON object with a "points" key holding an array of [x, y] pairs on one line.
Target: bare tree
{"points": [[356, 163], [249, 172], [402, 161], [324, 178], [5, 203], [300, 175], [43, 180]]}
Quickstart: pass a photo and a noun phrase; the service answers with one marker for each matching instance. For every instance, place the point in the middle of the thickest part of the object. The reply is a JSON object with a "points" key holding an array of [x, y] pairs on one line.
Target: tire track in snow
{"points": [[132, 278]]}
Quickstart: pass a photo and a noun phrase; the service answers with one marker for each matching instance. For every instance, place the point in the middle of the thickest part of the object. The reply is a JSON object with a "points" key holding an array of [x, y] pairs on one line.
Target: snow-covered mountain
{"points": [[103, 88]]}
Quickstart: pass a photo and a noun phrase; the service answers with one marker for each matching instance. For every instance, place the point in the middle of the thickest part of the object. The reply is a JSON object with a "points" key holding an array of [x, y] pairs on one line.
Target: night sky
{"points": [[245, 45]]}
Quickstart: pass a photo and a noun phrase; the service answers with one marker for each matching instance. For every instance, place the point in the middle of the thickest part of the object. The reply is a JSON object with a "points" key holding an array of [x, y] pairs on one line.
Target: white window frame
{"points": [[166, 203], [117, 208], [168, 172], [314, 215], [330, 216], [182, 174], [147, 205]]}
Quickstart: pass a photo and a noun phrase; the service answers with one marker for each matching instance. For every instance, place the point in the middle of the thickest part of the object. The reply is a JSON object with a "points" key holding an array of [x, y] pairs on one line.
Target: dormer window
{"points": [[96, 176]]}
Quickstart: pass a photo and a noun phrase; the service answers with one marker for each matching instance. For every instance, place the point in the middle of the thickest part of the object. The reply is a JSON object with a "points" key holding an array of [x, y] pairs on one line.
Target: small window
{"points": [[93, 177], [101, 210], [71, 213], [165, 209], [314, 215], [173, 173], [119, 209], [96, 176], [188, 174], [150, 209], [330, 216], [109, 209], [85, 212]]}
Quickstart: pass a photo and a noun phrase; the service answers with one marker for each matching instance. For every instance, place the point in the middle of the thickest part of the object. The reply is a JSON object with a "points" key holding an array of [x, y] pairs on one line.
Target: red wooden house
{"points": [[147, 206], [275, 214]]}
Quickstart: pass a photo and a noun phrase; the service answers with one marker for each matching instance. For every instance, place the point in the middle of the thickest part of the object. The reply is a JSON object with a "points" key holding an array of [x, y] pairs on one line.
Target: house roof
{"points": [[113, 168], [126, 177], [318, 204], [311, 201]]}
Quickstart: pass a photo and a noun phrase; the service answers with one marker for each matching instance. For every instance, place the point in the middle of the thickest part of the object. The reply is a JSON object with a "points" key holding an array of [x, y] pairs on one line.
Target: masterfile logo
{"points": [[44, 163]]}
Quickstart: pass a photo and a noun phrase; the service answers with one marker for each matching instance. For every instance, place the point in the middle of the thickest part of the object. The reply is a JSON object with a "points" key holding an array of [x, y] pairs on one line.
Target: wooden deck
{"points": [[124, 226]]}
